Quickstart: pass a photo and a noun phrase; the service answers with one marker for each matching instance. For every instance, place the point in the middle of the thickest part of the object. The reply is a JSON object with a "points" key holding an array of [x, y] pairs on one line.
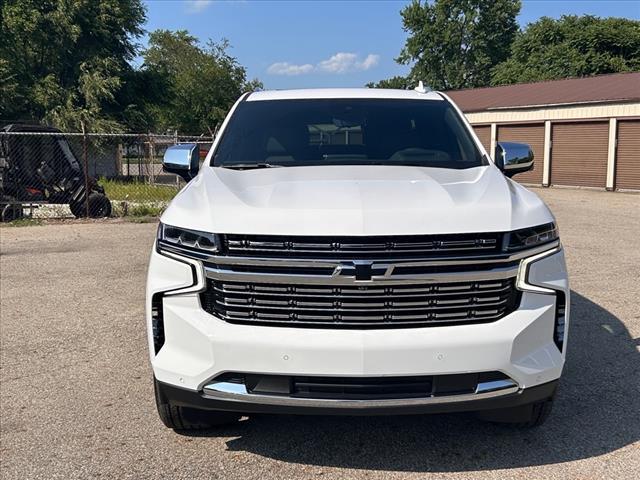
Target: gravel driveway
{"points": [[77, 398]]}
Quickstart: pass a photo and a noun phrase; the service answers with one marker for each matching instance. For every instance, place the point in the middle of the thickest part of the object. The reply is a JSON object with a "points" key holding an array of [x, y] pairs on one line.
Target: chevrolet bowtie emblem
{"points": [[361, 270]]}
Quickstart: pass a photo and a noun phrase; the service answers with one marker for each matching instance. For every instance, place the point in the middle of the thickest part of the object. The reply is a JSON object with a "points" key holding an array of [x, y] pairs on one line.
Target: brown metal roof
{"points": [[617, 87]]}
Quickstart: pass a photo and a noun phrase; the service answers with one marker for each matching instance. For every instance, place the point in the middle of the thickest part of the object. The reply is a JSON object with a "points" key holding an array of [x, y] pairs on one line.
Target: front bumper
{"points": [[199, 347], [248, 405]]}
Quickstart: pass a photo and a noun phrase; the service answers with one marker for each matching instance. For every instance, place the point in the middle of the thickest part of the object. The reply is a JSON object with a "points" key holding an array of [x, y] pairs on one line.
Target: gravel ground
{"points": [[77, 399]]}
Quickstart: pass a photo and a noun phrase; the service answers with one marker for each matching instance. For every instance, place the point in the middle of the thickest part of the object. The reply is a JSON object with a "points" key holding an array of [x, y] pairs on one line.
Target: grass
{"points": [[24, 222], [128, 209], [144, 211], [141, 219], [137, 191]]}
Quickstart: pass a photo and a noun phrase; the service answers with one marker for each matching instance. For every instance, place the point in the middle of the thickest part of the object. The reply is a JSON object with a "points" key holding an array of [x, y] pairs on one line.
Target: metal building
{"points": [[584, 132]]}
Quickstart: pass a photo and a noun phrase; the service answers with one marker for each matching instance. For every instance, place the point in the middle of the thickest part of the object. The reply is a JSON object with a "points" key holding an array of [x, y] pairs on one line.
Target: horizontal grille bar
{"points": [[301, 290], [382, 275], [360, 306], [354, 248]]}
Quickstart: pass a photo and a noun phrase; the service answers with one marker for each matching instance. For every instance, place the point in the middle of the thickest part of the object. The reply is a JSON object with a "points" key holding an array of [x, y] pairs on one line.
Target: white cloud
{"points": [[286, 68], [196, 6], [344, 62], [338, 63], [341, 62], [369, 62]]}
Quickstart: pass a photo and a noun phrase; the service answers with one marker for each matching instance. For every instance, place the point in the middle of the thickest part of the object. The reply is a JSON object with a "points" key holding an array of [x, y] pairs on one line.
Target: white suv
{"points": [[354, 251]]}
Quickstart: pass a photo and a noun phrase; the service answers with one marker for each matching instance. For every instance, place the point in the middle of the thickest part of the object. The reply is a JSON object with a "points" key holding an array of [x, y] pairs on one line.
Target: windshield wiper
{"points": [[247, 166]]}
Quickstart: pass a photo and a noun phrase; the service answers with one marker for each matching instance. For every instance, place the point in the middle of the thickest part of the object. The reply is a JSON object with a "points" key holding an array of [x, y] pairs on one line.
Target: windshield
{"points": [[427, 133]]}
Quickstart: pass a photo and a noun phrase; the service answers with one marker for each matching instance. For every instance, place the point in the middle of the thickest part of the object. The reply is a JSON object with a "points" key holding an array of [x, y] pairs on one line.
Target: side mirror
{"points": [[183, 160], [513, 158]]}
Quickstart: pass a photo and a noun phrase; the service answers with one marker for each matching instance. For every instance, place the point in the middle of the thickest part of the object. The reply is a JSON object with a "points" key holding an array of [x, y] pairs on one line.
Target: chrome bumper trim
{"points": [[494, 386], [237, 392]]}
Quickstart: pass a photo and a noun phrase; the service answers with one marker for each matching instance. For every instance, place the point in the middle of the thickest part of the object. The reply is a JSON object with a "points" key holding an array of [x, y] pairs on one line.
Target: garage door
{"points": [[628, 155], [534, 136], [484, 134], [579, 154]]}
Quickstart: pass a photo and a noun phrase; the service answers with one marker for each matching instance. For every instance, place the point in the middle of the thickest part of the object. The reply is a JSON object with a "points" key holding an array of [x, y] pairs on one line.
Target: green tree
{"points": [[571, 46], [399, 82], [66, 58], [82, 107], [8, 88], [137, 100], [203, 81], [454, 43]]}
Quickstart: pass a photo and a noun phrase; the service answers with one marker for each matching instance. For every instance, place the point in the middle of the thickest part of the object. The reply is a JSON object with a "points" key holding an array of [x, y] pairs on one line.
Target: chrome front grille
{"points": [[362, 282], [356, 248], [360, 306]]}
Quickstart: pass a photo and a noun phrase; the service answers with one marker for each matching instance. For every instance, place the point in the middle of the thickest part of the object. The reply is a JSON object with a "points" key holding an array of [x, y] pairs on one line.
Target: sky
{"points": [[305, 44]]}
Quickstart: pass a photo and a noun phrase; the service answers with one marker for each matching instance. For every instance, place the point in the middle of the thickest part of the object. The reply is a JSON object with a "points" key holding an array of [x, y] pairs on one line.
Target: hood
{"points": [[355, 200]]}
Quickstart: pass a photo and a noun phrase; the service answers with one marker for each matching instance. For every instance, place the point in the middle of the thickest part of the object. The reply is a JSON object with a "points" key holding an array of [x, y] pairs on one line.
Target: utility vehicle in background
{"points": [[37, 166]]}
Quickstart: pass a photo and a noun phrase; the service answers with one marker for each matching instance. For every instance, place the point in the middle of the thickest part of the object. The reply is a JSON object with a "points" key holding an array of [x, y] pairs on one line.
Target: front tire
{"points": [[99, 206], [185, 418], [10, 211]]}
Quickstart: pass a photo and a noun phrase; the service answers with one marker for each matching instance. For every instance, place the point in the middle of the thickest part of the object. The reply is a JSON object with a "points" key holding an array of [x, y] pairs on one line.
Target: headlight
{"points": [[531, 237], [190, 243]]}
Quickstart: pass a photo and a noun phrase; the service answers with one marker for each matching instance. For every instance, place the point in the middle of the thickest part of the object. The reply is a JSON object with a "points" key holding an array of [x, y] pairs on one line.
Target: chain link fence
{"points": [[45, 173]]}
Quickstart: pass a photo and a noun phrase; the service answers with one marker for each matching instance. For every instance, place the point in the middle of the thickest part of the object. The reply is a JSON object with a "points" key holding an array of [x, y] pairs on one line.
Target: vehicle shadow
{"points": [[596, 412]]}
